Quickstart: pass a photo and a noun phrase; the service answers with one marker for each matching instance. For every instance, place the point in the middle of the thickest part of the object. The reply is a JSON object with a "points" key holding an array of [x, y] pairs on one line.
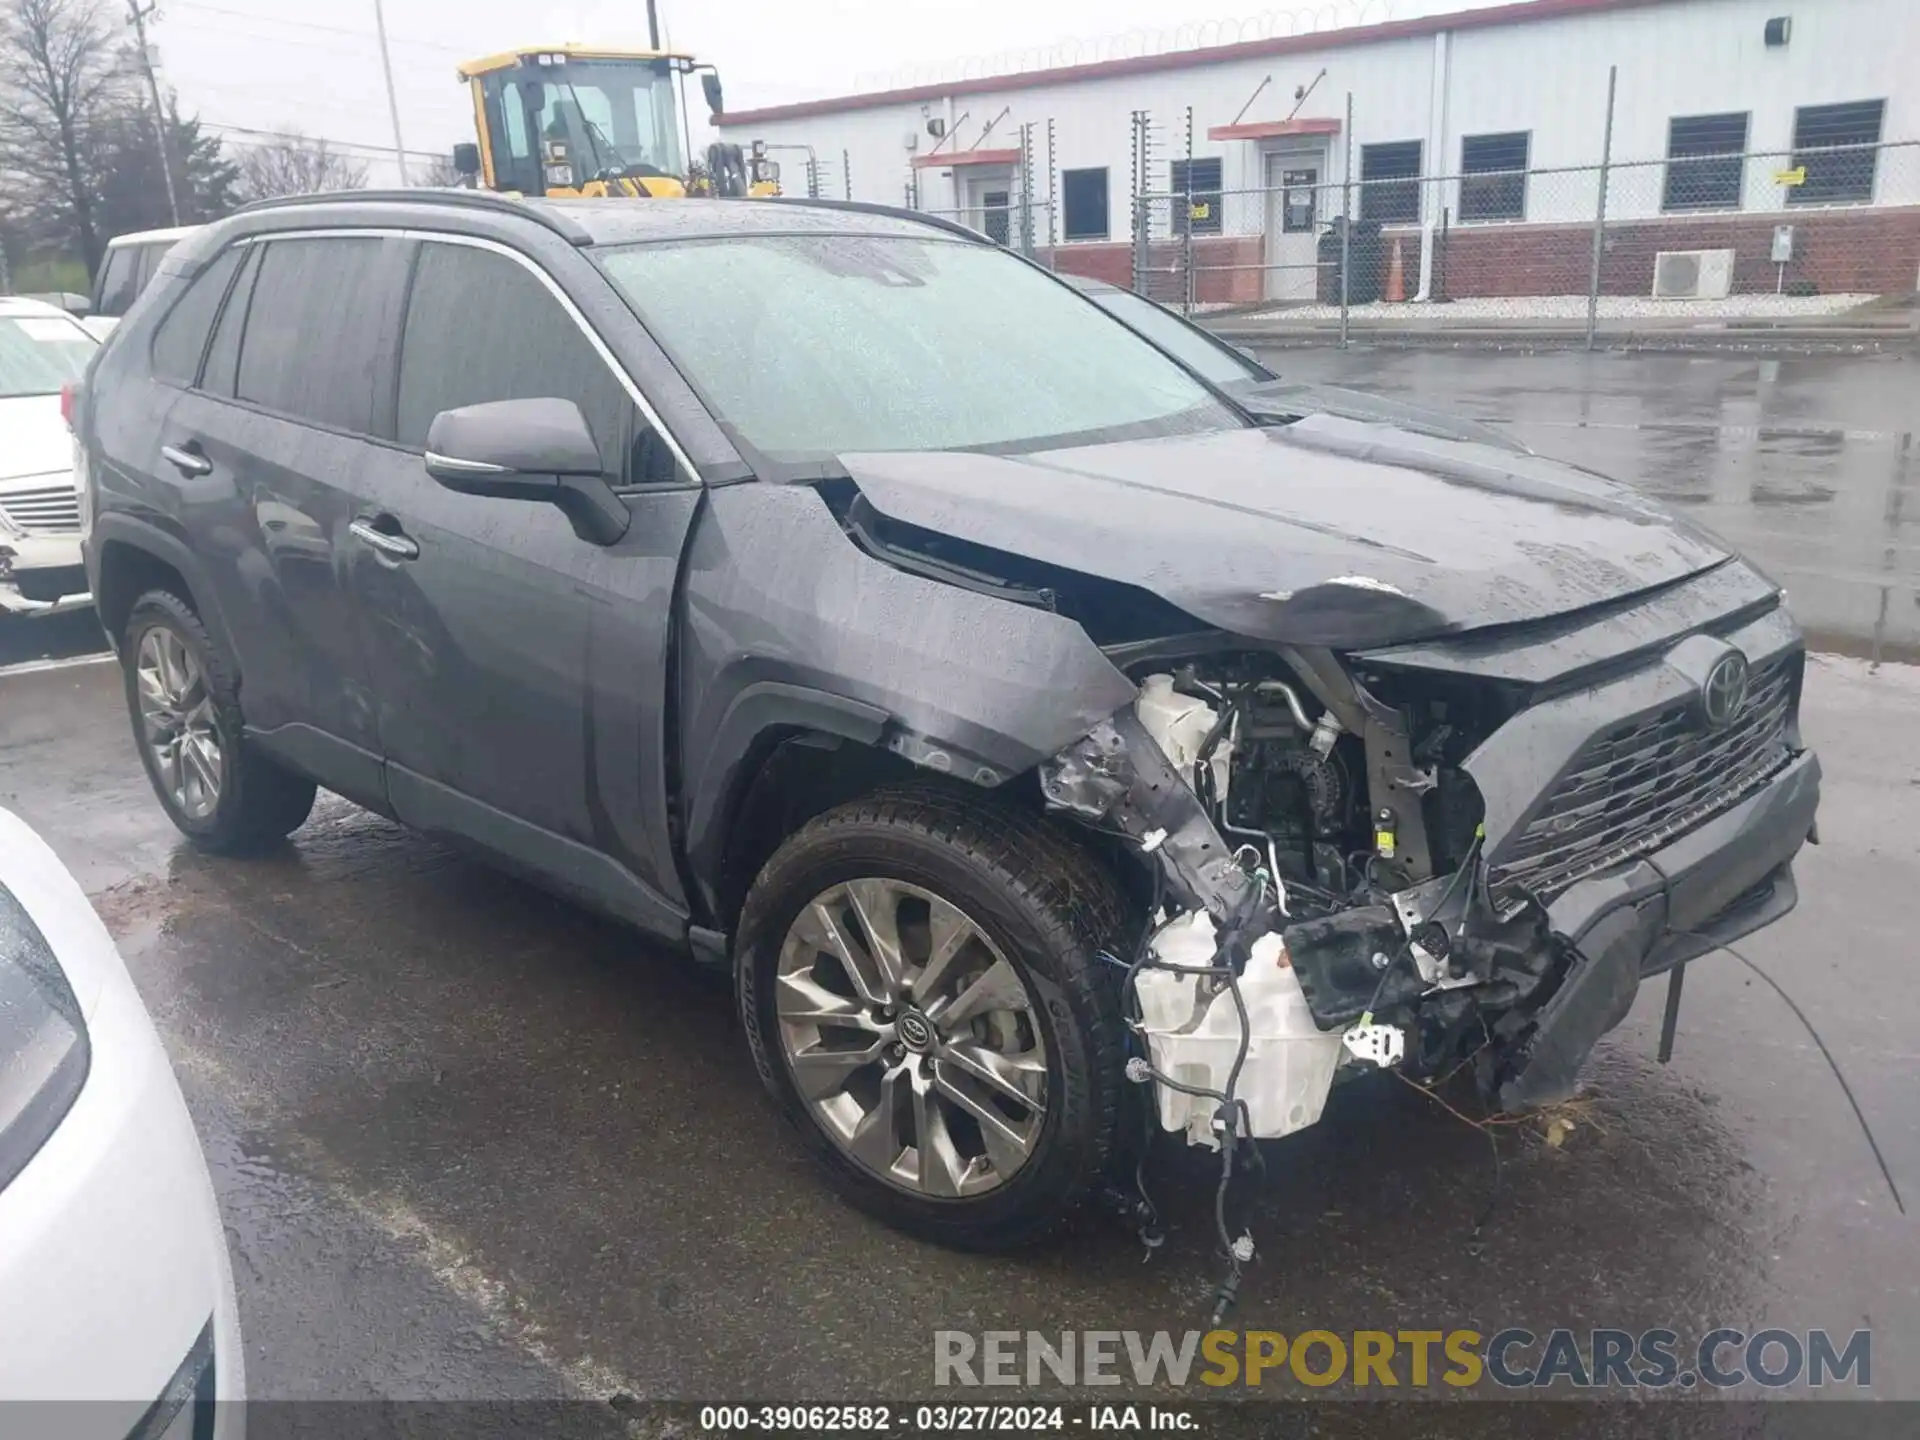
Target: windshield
{"points": [[40, 353], [563, 125], [820, 345], [1188, 344]]}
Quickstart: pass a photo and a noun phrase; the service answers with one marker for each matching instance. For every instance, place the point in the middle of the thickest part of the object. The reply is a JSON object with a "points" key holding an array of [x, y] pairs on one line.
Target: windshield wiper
{"points": [[593, 145]]}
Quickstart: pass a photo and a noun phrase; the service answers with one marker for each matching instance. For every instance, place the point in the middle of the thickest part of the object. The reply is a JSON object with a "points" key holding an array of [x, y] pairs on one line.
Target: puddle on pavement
{"points": [[1806, 465]]}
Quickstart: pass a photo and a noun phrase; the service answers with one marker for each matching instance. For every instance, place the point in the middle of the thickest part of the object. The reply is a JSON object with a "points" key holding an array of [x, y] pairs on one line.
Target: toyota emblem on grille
{"points": [[1724, 690]]}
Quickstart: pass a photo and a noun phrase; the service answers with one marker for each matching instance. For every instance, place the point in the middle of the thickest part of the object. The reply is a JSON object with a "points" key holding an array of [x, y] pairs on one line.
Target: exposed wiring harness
{"points": [[1886, 1171], [1232, 1120]]}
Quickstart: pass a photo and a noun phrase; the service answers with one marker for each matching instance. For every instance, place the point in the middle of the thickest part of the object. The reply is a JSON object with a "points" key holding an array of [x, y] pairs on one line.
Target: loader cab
{"points": [[566, 122]]}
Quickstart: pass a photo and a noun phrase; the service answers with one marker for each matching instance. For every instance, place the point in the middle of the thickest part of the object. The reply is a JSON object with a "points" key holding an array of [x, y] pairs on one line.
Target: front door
{"points": [[1293, 181], [521, 670]]}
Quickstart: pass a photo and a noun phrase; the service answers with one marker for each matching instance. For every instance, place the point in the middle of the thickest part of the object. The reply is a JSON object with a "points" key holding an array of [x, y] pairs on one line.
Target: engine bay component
{"points": [[1377, 1044], [1199, 1035]]}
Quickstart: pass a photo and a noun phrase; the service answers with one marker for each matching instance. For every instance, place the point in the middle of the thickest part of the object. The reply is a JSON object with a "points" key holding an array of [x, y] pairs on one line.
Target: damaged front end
{"points": [[1434, 856]]}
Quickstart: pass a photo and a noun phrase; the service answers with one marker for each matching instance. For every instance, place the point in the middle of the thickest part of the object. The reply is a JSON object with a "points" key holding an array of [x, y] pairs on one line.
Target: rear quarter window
{"points": [[182, 337]]}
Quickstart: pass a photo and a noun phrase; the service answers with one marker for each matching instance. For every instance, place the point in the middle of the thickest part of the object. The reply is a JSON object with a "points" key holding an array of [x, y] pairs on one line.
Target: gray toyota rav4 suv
{"points": [[1052, 740]]}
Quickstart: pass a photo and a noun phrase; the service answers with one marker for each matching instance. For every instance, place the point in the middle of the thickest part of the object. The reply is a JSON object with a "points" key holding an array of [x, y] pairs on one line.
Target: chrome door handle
{"points": [[394, 547], [186, 461]]}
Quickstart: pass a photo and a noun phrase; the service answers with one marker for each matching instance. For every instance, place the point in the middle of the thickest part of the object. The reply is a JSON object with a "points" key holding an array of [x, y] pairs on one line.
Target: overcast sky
{"points": [[272, 64]]}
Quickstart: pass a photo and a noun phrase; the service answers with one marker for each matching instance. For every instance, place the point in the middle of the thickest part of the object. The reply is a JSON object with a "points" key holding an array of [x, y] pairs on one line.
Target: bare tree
{"points": [[437, 172], [296, 165], [62, 85]]}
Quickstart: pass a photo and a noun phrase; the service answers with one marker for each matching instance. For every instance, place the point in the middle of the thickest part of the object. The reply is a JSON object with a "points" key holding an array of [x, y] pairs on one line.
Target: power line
{"points": [[366, 35], [247, 135]]}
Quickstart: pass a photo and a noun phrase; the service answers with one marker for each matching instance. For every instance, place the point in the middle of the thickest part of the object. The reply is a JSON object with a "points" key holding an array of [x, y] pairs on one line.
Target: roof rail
{"points": [[872, 207], [564, 226]]}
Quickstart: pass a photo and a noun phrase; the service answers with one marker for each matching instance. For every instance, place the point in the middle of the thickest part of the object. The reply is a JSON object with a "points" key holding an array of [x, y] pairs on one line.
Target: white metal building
{"points": [[1494, 120]]}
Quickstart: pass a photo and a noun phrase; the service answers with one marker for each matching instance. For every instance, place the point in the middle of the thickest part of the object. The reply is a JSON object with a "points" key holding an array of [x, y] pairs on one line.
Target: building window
{"points": [[1203, 216], [1493, 176], [1835, 176], [1390, 183], [1083, 204], [1705, 162]]}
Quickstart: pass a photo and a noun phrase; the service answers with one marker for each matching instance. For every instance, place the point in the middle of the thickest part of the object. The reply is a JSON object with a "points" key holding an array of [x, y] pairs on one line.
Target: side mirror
{"points": [[528, 450], [710, 86], [75, 304], [466, 159]]}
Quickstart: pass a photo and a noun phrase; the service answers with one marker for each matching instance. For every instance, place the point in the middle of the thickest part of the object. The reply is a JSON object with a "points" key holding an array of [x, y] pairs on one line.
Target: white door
{"points": [[1293, 185], [989, 205]]}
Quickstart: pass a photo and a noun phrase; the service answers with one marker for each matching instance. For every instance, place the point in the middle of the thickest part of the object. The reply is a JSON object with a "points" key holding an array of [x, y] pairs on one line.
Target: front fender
{"points": [[789, 625]]}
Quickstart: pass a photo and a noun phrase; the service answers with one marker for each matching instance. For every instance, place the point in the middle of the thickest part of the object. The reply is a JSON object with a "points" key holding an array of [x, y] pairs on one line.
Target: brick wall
{"points": [[1866, 251], [1226, 267]]}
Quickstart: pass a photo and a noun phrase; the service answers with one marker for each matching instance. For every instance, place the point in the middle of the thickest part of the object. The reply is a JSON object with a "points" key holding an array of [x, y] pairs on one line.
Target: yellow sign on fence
{"points": [[1795, 176]]}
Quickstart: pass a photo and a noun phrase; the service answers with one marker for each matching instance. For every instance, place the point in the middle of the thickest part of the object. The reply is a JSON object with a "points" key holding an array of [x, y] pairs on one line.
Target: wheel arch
{"points": [[757, 786], [135, 556]]}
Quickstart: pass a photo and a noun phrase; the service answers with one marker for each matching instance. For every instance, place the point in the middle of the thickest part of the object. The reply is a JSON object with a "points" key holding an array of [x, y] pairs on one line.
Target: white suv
{"points": [[125, 271], [43, 353]]}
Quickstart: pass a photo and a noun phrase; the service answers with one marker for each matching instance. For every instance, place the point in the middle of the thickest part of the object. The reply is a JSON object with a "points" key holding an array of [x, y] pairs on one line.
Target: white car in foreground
{"points": [[43, 350], [114, 1279]]}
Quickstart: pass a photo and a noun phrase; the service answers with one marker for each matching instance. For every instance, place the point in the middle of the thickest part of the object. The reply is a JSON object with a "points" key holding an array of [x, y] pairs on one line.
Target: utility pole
{"points": [[137, 17], [393, 102]]}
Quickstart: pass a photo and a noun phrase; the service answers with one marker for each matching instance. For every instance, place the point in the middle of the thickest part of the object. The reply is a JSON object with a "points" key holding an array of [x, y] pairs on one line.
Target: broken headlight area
{"points": [[1318, 899]]}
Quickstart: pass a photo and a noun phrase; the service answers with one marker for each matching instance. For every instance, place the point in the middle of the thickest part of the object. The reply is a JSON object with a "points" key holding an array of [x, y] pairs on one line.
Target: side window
{"points": [[518, 345], [314, 328], [223, 356], [182, 336], [150, 258], [119, 281]]}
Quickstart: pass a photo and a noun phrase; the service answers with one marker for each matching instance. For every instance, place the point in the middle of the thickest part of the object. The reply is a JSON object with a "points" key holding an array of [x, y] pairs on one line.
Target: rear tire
{"points": [[997, 1076], [222, 794]]}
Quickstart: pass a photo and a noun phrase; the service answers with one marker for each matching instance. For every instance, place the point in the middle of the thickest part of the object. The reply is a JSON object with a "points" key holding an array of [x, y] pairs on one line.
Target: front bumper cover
{"points": [[1726, 878], [24, 556]]}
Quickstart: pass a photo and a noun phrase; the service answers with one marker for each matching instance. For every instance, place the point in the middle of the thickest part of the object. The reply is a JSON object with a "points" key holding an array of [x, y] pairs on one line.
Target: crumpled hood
{"points": [[1324, 532], [37, 442], [1289, 398]]}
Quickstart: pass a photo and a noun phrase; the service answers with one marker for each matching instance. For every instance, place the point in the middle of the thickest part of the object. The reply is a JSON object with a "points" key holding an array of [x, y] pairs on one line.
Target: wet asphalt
{"points": [[471, 1142], [1807, 464]]}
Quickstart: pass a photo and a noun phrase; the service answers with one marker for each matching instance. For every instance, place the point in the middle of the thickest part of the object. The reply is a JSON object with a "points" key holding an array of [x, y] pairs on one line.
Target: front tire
{"points": [[222, 794], [919, 980]]}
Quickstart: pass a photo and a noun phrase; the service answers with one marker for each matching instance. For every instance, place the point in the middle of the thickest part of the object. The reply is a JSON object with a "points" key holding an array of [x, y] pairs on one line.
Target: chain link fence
{"points": [[1755, 235], [1318, 233], [1734, 234], [1014, 206]]}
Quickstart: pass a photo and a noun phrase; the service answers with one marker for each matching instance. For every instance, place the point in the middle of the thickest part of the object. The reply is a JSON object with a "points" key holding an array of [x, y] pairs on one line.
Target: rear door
{"points": [[271, 448], [521, 670]]}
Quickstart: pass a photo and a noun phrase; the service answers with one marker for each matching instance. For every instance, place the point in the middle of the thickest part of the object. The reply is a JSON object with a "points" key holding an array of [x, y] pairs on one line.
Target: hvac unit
{"points": [[1692, 274]]}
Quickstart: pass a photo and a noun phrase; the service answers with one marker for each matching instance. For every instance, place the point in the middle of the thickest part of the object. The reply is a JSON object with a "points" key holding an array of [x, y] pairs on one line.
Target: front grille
{"points": [[1635, 788], [50, 510]]}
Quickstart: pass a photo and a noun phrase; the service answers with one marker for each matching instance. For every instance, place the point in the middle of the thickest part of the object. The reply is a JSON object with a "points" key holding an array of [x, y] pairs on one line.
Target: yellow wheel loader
{"points": [[586, 120]]}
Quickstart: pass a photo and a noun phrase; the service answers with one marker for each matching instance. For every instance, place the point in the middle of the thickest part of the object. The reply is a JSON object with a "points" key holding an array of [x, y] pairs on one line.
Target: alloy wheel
{"points": [[177, 724], [911, 1038]]}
